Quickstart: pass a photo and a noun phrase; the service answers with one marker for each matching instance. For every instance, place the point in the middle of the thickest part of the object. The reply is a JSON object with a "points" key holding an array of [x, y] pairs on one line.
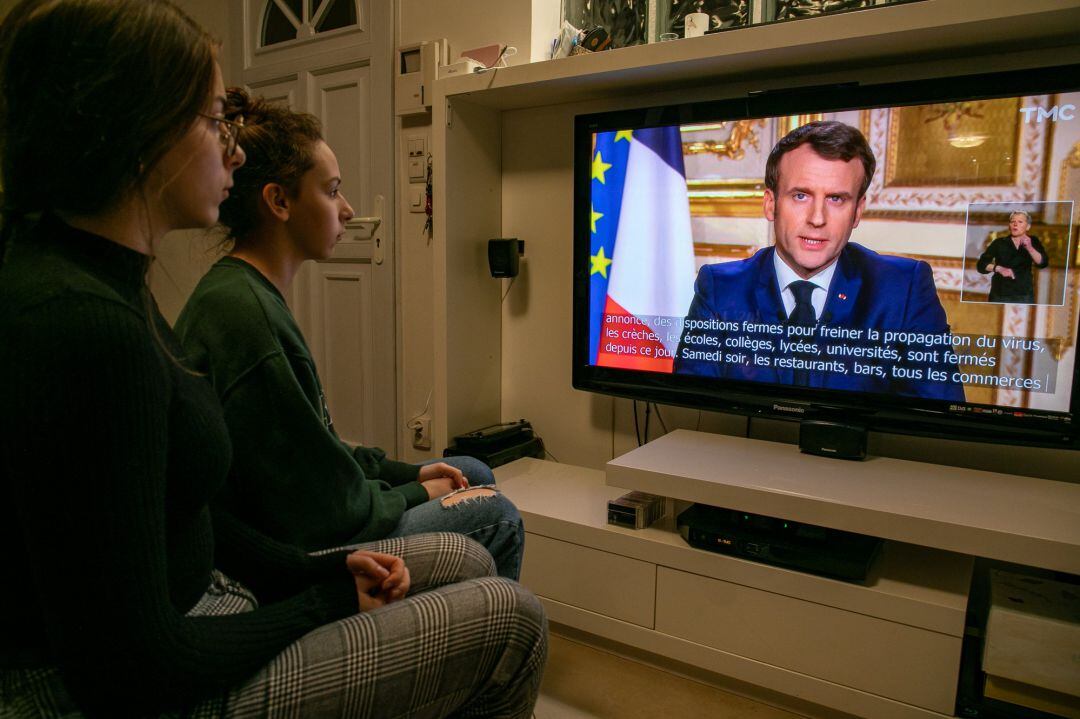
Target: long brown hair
{"points": [[92, 94]]}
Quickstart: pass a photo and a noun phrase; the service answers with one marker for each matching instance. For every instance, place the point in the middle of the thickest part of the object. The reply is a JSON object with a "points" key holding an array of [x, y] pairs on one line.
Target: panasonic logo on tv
{"points": [[1063, 112], [793, 410]]}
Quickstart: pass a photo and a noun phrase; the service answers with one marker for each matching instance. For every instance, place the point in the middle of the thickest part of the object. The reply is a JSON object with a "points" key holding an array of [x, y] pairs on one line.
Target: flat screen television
{"points": [[899, 256]]}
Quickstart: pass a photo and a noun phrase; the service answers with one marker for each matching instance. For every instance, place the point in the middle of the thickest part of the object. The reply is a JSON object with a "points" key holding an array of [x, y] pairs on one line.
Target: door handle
{"points": [[375, 221]]}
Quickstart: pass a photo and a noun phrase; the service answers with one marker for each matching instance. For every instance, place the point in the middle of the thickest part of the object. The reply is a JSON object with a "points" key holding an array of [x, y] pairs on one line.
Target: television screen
{"points": [[902, 254]]}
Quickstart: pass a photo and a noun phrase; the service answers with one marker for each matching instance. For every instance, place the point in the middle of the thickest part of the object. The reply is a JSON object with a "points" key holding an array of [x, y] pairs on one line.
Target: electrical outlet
{"points": [[422, 433]]}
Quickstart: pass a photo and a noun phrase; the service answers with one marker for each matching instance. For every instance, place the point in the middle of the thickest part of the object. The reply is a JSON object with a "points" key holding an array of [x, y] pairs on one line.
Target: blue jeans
{"points": [[493, 521], [474, 470]]}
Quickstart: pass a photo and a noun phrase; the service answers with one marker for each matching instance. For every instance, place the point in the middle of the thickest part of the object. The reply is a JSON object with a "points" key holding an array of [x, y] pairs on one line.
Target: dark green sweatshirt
{"points": [[292, 477], [110, 453]]}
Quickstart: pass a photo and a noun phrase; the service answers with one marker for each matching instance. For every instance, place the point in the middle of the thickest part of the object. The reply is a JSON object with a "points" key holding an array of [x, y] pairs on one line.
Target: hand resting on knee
{"points": [[440, 479], [380, 578]]}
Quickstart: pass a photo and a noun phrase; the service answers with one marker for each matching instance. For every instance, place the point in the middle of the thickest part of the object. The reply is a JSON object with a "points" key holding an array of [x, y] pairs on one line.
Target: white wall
{"points": [[528, 25], [414, 296]]}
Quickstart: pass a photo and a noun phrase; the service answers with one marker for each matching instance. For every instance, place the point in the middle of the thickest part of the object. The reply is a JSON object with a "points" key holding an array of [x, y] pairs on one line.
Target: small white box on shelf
{"points": [[464, 66]]}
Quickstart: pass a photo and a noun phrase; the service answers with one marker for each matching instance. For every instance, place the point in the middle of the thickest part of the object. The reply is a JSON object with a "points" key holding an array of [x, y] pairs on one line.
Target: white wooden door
{"points": [[341, 296], [345, 306]]}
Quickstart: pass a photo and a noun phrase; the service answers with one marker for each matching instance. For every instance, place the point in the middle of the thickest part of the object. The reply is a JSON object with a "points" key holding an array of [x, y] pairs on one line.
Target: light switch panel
{"points": [[417, 169], [416, 199]]}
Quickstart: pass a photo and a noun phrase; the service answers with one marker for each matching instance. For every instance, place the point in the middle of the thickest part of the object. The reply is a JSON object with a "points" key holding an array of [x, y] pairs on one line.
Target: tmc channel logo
{"points": [[1062, 112]]}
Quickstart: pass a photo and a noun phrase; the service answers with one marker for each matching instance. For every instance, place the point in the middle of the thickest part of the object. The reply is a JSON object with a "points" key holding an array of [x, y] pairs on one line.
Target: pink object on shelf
{"points": [[486, 56]]}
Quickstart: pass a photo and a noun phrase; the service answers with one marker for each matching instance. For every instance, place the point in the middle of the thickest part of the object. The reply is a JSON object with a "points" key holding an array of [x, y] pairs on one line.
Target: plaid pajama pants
{"points": [[463, 644]]}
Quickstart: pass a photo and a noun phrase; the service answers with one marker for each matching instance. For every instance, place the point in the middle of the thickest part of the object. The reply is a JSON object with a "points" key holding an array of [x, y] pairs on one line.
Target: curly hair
{"points": [[280, 147]]}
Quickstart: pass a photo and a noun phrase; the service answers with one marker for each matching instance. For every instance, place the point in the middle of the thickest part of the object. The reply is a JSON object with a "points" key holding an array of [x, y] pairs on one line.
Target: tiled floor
{"points": [[582, 682]]}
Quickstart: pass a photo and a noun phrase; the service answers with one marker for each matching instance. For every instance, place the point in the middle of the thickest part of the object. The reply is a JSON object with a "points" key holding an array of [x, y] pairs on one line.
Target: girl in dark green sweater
{"points": [[130, 589], [292, 476]]}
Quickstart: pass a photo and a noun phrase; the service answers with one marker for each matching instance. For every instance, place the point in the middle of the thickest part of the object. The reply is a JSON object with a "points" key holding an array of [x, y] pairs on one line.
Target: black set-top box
{"points": [[498, 444], [781, 542]]}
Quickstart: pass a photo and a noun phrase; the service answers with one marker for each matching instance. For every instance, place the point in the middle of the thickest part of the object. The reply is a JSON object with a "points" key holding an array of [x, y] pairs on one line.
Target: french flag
{"points": [[642, 264]]}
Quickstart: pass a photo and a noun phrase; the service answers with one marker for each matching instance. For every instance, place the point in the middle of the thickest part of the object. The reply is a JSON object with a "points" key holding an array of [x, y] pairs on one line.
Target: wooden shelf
{"points": [[918, 31], [1029, 521]]}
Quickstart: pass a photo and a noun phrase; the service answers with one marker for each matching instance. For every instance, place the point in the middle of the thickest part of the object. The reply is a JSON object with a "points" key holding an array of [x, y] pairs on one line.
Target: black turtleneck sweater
{"points": [[110, 454]]}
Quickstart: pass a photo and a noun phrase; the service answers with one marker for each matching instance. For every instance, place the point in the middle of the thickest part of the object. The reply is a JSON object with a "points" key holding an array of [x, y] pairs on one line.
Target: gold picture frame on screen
{"points": [[958, 143], [1061, 325], [731, 142], [725, 198], [725, 146], [933, 160]]}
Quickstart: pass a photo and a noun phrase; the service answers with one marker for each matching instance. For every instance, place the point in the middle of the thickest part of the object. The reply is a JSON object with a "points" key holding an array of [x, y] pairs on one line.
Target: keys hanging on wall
{"points": [[429, 223]]}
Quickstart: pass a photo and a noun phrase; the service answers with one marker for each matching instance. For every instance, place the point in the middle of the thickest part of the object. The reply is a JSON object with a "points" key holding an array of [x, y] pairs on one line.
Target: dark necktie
{"points": [[803, 312]]}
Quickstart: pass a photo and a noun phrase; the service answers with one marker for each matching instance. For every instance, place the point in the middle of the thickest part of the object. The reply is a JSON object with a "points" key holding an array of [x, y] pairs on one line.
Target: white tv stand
{"points": [[885, 648], [1024, 520]]}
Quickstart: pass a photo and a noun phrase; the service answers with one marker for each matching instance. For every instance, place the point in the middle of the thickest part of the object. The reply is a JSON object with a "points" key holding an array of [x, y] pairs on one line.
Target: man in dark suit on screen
{"points": [[795, 312]]}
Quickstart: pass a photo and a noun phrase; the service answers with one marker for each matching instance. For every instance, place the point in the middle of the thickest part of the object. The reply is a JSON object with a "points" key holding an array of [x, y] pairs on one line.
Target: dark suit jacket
{"points": [[868, 290]]}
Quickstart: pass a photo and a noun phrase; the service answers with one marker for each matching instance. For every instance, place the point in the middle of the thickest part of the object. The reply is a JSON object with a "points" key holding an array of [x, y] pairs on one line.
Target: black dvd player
{"points": [[794, 545]]}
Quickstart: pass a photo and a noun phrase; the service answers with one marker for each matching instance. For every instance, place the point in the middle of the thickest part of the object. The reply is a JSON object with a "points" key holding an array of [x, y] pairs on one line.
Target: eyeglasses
{"points": [[229, 131]]}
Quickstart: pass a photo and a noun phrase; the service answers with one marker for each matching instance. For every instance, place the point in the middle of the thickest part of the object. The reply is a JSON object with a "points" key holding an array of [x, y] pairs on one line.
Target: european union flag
{"points": [[608, 177]]}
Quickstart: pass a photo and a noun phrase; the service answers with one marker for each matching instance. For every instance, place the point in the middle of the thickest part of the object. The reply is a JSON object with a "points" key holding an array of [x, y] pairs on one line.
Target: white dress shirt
{"points": [[785, 276]]}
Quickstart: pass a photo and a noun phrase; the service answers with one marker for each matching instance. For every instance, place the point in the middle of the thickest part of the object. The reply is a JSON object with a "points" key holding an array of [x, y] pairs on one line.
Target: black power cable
{"points": [[637, 430], [660, 417]]}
